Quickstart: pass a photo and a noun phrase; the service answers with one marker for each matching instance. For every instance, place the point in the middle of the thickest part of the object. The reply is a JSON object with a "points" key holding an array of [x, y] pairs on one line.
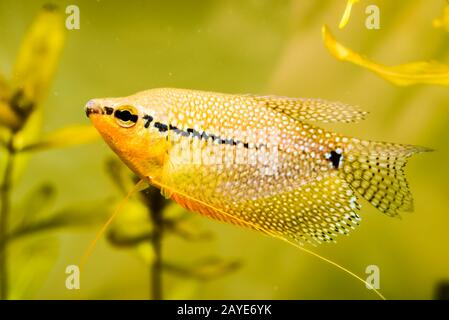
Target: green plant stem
{"points": [[156, 266], [4, 212]]}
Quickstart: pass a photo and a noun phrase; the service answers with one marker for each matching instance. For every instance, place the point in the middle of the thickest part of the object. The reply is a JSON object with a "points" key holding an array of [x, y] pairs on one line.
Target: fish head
{"points": [[124, 125]]}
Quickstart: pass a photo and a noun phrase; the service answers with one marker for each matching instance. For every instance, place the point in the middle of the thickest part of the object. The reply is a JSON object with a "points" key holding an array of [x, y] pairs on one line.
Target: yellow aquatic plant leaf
{"points": [[29, 132], [69, 136], [146, 252], [443, 21], [347, 13], [38, 57], [420, 72]]}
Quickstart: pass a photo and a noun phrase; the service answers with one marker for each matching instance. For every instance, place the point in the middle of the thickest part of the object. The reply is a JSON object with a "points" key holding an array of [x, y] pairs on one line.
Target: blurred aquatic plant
{"points": [[20, 123], [147, 219], [347, 13], [443, 21], [420, 72]]}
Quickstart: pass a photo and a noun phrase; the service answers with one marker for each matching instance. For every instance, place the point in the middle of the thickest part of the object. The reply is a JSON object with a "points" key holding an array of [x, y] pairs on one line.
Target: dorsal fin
{"points": [[315, 110]]}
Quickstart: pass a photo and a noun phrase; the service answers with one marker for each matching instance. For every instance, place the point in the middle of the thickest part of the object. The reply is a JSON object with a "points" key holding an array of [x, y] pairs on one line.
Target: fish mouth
{"points": [[92, 108]]}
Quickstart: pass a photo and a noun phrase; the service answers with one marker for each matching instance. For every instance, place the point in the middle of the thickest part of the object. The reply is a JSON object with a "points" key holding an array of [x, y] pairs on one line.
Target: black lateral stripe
{"points": [[148, 120], [177, 131], [183, 133], [161, 127], [195, 134]]}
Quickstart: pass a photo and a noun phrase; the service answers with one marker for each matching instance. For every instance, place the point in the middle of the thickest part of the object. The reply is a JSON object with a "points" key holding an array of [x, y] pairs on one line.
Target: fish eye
{"points": [[126, 116]]}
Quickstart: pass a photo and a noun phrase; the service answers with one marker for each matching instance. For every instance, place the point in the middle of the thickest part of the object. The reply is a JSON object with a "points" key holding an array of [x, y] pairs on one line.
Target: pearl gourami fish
{"points": [[256, 161]]}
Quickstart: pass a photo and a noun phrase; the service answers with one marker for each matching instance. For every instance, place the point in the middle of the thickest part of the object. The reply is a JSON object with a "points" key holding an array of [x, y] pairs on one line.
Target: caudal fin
{"points": [[375, 170]]}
